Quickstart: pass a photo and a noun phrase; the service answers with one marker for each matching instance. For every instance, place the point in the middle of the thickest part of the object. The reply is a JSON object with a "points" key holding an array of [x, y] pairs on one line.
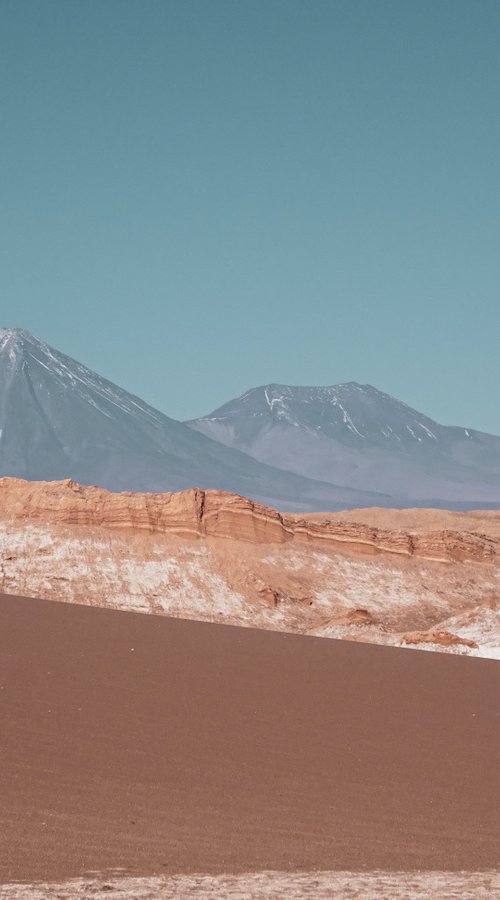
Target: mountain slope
{"points": [[355, 435], [60, 420]]}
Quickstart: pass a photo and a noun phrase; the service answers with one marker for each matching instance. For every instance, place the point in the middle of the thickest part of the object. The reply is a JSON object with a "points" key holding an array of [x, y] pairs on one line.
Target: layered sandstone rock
{"points": [[220, 557], [196, 513]]}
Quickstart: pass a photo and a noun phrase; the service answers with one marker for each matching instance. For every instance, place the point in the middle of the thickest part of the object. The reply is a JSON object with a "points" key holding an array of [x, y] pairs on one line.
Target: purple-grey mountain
{"points": [[60, 420], [357, 436]]}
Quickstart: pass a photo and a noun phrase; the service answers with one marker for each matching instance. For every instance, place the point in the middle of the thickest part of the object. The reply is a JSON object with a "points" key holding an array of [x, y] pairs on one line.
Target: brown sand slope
{"points": [[158, 745]]}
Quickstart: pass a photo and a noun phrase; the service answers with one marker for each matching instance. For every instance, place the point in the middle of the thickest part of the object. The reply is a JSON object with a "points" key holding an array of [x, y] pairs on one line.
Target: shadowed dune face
{"points": [[155, 745], [389, 576]]}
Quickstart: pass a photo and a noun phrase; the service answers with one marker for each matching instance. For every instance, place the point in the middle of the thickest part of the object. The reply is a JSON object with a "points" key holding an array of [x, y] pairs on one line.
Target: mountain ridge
{"points": [[58, 419], [296, 448], [357, 435]]}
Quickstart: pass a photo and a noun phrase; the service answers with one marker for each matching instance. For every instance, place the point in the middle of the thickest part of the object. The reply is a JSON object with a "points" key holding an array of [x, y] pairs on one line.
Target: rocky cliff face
{"points": [[393, 576], [196, 513]]}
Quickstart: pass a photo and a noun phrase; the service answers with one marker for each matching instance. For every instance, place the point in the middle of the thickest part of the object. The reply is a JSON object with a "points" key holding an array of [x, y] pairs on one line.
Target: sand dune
{"points": [[157, 746]]}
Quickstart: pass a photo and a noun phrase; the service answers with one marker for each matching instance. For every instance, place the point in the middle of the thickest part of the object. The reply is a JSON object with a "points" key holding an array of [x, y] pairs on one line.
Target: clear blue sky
{"points": [[200, 196]]}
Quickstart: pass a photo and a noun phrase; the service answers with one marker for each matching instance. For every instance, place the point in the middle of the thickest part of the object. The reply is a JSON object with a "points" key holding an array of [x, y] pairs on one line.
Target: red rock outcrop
{"points": [[196, 513], [437, 638], [353, 617]]}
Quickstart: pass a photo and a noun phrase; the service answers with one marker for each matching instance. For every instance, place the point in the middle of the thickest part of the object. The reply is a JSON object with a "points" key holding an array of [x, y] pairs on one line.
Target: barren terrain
{"points": [[271, 885], [421, 578], [141, 746]]}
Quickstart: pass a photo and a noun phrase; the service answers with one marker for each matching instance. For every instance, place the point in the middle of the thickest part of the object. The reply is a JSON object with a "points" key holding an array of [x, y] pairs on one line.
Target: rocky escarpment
{"points": [[196, 513], [191, 514], [220, 557]]}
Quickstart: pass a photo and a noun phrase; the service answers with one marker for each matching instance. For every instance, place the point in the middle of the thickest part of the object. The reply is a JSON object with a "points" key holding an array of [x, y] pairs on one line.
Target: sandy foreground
{"points": [[275, 764]]}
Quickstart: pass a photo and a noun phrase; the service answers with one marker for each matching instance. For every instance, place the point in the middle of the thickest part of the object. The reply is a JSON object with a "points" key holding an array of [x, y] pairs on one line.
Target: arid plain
{"points": [[144, 747]]}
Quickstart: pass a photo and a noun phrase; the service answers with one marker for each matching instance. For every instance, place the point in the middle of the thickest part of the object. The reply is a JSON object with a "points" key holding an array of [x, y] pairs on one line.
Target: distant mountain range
{"points": [[292, 447], [359, 437], [59, 420]]}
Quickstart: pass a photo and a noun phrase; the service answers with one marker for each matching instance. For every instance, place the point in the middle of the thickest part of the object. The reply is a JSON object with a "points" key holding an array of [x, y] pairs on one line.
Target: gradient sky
{"points": [[201, 196]]}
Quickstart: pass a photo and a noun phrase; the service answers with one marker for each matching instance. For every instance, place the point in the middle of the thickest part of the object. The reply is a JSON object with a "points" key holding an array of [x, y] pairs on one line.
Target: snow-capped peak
{"points": [[20, 348], [359, 412], [12, 341]]}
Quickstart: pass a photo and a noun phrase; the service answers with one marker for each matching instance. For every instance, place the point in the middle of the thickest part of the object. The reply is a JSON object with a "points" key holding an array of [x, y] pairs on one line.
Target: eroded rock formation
{"points": [[419, 577], [196, 513]]}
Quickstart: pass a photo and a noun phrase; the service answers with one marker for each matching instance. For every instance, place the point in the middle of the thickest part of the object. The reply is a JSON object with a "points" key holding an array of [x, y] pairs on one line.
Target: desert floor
{"points": [[145, 746]]}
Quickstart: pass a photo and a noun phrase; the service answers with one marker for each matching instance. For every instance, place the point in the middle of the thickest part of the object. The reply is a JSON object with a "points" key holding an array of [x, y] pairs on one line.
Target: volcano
{"points": [[59, 420], [355, 435]]}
